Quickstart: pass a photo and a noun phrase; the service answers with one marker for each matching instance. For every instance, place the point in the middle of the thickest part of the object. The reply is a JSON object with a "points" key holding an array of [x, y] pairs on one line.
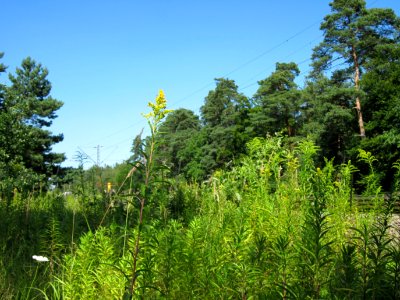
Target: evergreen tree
{"points": [[137, 149], [381, 84], [196, 158], [328, 115], [2, 87], [27, 109], [224, 115], [277, 102], [351, 33], [179, 126], [2, 66]]}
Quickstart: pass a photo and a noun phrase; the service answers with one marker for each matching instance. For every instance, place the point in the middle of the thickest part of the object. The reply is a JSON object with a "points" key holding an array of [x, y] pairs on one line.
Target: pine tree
{"points": [[2, 87], [224, 116], [179, 126], [351, 34], [27, 110], [277, 102], [381, 84], [328, 116]]}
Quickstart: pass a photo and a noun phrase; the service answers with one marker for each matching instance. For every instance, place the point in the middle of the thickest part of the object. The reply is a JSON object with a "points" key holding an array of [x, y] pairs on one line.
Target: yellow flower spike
{"points": [[159, 110]]}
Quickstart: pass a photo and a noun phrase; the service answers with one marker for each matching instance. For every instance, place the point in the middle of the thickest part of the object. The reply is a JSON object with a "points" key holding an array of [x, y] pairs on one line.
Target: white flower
{"points": [[40, 258]]}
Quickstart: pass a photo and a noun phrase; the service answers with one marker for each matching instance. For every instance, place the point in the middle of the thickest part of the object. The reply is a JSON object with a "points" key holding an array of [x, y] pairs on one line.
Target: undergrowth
{"points": [[274, 226]]}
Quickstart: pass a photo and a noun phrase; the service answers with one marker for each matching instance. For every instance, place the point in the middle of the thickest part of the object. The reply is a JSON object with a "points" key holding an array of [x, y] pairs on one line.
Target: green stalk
{"points": [[154, 118]]}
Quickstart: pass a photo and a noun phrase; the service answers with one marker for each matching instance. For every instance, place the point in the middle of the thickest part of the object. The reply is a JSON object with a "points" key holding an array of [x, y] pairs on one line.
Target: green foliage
{"points": [[223, 114], [316, 255], [274, 226], [179, 127], [277, 102], [96, 262], [370, 181], [218, 208], [2, 66], [357, 37], [26, 109], [352, 29], [328, 116], [381, 86], [144, 193]]}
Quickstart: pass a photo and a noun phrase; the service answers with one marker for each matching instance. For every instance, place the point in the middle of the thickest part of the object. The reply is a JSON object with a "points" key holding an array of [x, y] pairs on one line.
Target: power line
{"points": [[250, 61], [211, 83], [254, 83], [115, 132], [86, 156], [98, 155], [109, 154], [271, 66], [272, 48]]}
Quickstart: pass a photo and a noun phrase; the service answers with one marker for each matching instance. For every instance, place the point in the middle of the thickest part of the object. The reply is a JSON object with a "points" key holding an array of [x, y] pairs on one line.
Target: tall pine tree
{"points": [[26, 111], [224, 116], [351, 34], [277, 102]]}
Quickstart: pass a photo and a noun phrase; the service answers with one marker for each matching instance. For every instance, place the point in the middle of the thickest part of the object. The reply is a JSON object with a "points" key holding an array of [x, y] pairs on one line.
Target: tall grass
{"points": [[275, 226]]}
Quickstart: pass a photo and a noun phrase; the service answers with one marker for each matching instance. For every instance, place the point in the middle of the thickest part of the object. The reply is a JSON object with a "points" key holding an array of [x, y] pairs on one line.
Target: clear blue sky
{"points": [[107, 59]]}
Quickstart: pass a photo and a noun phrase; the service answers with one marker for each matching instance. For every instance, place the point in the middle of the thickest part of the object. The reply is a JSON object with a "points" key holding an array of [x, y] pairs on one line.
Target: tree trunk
{"points": [[357, 86]]}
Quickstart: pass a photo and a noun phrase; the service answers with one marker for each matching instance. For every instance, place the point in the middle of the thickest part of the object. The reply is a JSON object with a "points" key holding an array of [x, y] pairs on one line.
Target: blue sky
{"points": [[108, 59]]}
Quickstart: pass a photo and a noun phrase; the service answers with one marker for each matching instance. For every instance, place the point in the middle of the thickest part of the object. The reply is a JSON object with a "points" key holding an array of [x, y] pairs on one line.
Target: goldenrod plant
{"points": [[154, 118]]}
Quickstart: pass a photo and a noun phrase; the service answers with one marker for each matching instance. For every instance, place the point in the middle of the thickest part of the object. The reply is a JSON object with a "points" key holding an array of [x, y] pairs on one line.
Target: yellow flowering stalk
{"points": [[158, 113]]}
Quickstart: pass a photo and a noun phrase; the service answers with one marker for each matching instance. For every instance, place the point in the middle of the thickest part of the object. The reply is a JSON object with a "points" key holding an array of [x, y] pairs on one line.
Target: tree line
{"points": [[350, 101]]}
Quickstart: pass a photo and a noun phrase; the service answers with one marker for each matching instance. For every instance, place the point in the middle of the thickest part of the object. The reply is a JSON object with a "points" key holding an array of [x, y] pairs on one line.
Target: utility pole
{"points": [[99, 184], [98, 155]]}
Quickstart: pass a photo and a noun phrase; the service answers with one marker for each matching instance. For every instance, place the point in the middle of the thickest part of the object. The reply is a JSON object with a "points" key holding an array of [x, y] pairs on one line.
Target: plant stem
{"points": [[142, 202]]}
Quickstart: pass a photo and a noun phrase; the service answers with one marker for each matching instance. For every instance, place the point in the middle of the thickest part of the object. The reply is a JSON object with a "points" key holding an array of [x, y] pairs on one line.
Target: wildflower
{"points": [[40, 258], [158, 108]]}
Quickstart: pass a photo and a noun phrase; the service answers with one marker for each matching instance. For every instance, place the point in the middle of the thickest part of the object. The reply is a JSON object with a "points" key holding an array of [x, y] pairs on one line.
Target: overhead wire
{"points": [[254, 83], [287, 56], [272, 48], [273, 65], [130, 138], [252, 60], [104, 159]]}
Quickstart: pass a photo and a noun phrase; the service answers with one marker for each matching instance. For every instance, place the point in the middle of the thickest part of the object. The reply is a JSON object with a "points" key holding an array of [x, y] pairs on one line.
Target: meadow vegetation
{"points": [[291, 194], [275, 225]]}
